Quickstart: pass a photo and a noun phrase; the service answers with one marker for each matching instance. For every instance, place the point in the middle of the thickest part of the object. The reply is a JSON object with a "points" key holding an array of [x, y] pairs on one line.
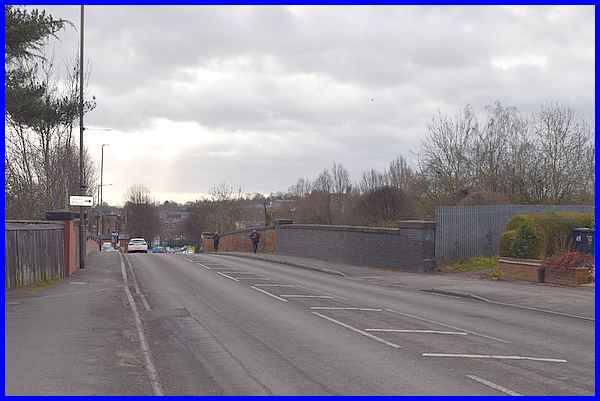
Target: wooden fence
{"points": [[467, 231], [34, 252]]}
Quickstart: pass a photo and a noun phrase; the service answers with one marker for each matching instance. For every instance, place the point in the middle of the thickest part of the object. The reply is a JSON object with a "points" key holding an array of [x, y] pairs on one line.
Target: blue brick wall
{"points": [[409, 248]]}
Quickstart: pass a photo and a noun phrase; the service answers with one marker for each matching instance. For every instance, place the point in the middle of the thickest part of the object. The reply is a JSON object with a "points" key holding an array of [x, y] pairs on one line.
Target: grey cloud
{"points": [[357, 83]]}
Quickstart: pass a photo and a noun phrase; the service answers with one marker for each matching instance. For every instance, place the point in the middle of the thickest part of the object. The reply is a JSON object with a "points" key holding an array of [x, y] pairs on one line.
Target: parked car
{"points": [[159, 249], [107, 247], [137, 245]]}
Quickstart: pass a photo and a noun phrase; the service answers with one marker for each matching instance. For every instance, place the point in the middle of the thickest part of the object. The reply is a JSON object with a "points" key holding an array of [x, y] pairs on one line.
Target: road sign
{"points": [[81, 201]]}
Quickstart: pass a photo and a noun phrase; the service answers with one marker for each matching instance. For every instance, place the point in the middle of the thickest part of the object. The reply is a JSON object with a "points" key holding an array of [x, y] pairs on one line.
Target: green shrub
{"points": [[526, 243], [552, 232], [506, 241]]}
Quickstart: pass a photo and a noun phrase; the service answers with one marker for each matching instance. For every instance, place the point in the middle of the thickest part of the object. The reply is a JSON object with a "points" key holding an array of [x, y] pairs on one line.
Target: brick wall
{"points": [[239, 241], [410, 247]]}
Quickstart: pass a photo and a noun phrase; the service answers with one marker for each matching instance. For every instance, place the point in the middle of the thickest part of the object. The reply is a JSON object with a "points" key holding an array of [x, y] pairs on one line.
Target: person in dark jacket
{"points": [[216, 239], [255, 238]]}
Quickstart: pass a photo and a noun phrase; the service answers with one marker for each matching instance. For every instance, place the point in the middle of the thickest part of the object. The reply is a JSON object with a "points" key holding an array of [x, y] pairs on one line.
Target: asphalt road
{"points": [[224, 325]]}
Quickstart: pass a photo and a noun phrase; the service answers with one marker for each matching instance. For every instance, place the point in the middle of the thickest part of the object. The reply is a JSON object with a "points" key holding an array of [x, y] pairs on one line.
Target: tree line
{"points": [[501, 157], [41, 155]]}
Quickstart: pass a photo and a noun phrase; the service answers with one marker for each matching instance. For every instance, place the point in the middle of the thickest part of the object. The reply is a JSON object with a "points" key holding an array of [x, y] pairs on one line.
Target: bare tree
{"points": [[226, 211], [563, 141], [142, 217], [445, 157]]}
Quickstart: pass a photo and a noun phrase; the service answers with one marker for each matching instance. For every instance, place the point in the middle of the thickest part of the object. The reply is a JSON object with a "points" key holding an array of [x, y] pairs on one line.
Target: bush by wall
{"points": [[541, 235], [506, 241]]}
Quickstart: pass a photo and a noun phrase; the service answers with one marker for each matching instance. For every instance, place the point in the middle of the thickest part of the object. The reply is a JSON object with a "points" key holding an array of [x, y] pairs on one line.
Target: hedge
{"points": [[505, 242], [541, 235]]}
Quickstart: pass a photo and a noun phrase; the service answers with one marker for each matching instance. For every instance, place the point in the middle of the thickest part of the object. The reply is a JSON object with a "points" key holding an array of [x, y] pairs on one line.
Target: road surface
{"points": [[218, 324]]}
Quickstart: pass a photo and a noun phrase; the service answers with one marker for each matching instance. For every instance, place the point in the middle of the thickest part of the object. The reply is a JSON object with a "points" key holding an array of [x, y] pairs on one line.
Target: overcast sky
{"points": [[261, 96]]}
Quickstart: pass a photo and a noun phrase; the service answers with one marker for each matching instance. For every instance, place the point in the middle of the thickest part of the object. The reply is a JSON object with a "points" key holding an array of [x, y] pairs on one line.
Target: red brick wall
{"points": [[240, 242], [526, 271], [570, 277], [71, 243]]}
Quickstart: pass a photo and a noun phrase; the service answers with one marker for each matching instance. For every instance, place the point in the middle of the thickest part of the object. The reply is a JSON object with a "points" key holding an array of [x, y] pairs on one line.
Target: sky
{"points": [[259, 96]]}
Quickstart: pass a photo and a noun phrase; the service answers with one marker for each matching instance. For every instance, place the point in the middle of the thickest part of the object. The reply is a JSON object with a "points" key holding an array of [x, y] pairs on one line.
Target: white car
{"points": [[137, 245]]}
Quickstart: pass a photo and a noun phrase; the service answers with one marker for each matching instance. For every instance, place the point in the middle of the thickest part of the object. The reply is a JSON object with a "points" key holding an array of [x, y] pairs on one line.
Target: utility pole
{"points": [[81, 184], [101, 191]]}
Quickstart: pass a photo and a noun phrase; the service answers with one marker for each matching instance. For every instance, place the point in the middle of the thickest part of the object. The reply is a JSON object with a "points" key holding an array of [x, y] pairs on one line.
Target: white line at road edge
{"points": [[493, 385], [269, 294], [136, 286], [513, 357], [359, 331], [455, 333], [229, 277], [447, 325], [336, 308], [307, 296], [152, 373]]}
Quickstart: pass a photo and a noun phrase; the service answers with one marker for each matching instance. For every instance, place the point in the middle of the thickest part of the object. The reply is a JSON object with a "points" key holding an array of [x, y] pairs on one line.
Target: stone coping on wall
{"points": [[413, 224], [401, 225], [517, 261]]}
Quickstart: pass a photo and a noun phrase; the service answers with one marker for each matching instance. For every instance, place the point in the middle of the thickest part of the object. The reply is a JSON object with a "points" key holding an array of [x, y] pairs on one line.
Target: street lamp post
{"points": [[81, 184], [102, 190]]}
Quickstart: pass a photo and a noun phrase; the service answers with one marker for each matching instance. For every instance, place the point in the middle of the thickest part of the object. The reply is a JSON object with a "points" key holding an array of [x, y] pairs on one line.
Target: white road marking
{"points": [[359, 331], [206, 267], [229, 277], [447, 325], [274, 285], [336, 308], [306, 296], [253, 278], [456, 333], [493, 385], [269, 294], [234, 271], [150, 368], [136, 286], [78, 282], [514, 357]]}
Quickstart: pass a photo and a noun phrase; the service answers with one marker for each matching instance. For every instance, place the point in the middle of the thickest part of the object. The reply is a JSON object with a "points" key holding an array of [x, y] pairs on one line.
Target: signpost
{"points": [[81, 201]]}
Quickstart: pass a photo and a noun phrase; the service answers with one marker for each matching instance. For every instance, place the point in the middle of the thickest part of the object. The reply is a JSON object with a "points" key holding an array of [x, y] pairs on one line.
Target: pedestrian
{"points": [[255, 238], [216, 239]]}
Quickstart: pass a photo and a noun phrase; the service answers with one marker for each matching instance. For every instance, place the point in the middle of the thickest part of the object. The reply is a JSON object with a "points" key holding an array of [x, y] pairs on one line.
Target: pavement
{"points": [[224, 325], [569, 300], [75, 337]]}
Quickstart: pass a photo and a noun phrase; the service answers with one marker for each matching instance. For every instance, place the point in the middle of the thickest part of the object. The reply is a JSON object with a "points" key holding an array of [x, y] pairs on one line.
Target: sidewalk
{"points": [[577, 301], [74, 337]]}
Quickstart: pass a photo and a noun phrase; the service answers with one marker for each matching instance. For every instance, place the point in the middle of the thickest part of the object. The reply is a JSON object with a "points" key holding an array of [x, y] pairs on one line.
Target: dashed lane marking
{"points": [[253, 278], [341, 308], [512, 357], [455, 333], [493, 385], [359, 331], [274, 285], [229, 277], [269, 294]]}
